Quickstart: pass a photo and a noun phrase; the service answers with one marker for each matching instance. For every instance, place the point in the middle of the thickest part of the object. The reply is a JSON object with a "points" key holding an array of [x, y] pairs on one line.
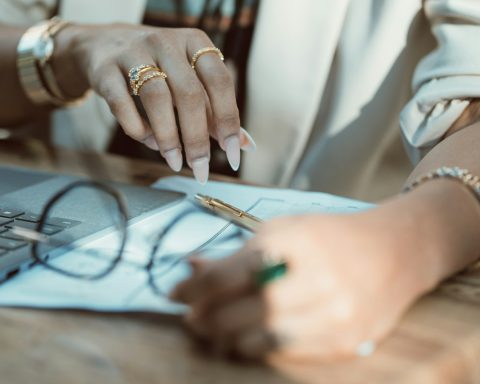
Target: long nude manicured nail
{"points": [[247, 143], [151, 143], [174, 159], [200, 169], [232, 148]]}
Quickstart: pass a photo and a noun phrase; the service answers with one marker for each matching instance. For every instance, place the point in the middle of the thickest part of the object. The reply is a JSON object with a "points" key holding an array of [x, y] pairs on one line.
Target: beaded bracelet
{"points": [[462, 175]]}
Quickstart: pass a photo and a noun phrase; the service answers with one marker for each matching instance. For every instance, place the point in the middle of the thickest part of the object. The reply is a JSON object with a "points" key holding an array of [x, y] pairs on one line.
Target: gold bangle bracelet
{"points": [[46, 70], [28, 72], [34, 52]]}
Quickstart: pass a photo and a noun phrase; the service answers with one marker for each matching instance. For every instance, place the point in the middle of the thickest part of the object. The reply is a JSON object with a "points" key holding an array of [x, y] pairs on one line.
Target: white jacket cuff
{"points": [[433, 110]]}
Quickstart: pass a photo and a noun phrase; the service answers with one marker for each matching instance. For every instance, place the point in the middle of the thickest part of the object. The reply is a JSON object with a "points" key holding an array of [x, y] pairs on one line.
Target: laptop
{"points": [[24, 193]]}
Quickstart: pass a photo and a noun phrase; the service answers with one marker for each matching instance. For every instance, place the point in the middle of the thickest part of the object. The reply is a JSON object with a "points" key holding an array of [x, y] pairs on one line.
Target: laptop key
{"points": [[3, 252], [11, 244], [57, 221], [51, 230], [3, 229], [10, 235], [10, 213], [64, 223], [47, 229], [31, 217], [4, 221]]}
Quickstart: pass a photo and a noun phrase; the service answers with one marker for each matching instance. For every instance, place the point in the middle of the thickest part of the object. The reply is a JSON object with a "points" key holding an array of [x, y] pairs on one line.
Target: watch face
{"points": [[43, 50]]}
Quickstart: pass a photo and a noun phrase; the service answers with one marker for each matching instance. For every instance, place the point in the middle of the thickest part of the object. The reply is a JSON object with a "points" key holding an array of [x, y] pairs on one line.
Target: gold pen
{"points": [[229, 212]]}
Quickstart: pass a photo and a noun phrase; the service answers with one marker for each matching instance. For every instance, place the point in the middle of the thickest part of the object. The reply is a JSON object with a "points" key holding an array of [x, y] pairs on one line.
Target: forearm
{"points": [[15, 106]]}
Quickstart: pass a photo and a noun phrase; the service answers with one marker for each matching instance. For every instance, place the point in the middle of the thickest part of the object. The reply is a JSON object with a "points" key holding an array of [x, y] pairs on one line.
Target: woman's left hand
{"points": [[349, 280]]}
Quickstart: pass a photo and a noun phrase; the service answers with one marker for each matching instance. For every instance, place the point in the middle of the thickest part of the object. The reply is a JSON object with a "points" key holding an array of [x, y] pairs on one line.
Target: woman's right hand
{"points": [[350, 278], [100, 57]]}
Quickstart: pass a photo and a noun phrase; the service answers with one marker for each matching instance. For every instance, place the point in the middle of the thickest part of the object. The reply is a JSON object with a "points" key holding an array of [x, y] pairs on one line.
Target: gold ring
{"points": [[147, 77], [135, 72], [140, 74], [202, 51]]}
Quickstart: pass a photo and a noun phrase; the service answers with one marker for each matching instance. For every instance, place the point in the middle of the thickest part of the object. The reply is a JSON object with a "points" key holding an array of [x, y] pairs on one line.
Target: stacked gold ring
{"points": [[202, 51], [140, 74]]}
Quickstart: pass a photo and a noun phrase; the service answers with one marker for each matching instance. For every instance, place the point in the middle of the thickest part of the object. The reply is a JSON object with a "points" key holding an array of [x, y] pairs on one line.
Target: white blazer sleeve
{"points": [[447, 78], [25, 12]]}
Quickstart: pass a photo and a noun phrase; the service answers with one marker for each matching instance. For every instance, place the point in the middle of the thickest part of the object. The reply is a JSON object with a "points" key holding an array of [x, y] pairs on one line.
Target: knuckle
{"points": [[100, 77], [100, 71], [221, 80], [167, 141], [166, 40], [116, 103], [152, 38], [101, 87], [196, 34], [136, 133], [191, 94], [228, 123], [196, 143]]}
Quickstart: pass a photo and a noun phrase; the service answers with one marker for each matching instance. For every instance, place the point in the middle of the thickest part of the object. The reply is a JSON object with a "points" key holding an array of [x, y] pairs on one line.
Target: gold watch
{"points": [[34, 53]]}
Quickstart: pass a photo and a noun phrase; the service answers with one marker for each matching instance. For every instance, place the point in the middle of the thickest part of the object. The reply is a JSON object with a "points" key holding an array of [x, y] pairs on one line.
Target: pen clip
{"points": [[229, 212], [216, 203]]}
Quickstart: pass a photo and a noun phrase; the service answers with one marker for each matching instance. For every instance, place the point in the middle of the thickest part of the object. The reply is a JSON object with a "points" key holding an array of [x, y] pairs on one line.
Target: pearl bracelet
{"points": [[463, 175]]}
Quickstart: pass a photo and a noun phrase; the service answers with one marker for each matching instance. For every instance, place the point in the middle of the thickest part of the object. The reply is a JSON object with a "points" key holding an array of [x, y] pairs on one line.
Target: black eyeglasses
{"points": [[160, 264], [93, 259]]}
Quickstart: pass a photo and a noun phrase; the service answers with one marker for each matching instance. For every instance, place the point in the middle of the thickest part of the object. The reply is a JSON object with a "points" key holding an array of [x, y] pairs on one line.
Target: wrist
{"points": [[67, 61], [440, 224]]}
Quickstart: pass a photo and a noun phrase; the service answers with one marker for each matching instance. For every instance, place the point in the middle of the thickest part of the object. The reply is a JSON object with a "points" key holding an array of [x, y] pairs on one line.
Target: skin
{"points": [[357, 289], [99, 58]]}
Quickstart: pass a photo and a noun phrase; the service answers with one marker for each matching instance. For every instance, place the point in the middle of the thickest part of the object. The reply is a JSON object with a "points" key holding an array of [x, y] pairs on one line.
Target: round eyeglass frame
{"points": [[122, 227]]}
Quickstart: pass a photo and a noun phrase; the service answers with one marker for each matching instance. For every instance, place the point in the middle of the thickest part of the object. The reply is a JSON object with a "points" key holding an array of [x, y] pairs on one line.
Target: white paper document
{"points": [[126, 288]]}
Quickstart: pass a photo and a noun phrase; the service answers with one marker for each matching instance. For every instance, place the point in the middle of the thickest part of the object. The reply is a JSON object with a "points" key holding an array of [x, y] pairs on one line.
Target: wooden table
{"points": [[438, 341]]}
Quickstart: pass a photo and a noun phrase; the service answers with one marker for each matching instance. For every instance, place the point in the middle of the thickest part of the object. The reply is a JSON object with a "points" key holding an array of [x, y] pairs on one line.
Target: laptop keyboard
{"points": [[10, 218]]}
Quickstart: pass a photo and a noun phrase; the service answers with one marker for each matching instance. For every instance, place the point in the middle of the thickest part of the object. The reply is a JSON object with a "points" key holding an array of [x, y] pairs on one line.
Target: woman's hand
{"points": [[100, 57], [350, 278]]}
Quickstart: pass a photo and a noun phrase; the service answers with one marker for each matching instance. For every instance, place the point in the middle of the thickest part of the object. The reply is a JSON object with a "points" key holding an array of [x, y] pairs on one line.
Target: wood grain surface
{"points": [[437, 342]]}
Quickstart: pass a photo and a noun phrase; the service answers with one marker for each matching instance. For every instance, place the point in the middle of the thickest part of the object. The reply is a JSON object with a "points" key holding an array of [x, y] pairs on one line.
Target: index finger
{"points": [[218, 280], [220, 89]]}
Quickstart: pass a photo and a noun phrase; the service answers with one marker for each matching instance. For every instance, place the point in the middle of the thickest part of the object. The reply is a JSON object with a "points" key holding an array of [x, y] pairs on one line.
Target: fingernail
{"points": [[151, 143], [174, 159], [200, 169], [232, 148], [247, 143]]}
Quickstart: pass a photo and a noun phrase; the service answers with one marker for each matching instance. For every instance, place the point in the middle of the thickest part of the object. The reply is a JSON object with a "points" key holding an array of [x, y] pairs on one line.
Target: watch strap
{"points": [[27, 66], [36, 73]]}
